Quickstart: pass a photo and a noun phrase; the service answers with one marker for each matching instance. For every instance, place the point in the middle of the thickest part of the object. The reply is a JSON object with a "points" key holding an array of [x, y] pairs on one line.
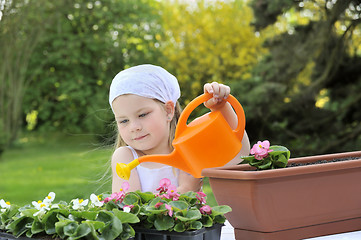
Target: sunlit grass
{"points": [[70, 166]]}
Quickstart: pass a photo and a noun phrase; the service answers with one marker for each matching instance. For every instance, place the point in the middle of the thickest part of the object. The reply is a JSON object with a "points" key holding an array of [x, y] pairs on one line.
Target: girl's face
{"points": [[143, 123]]}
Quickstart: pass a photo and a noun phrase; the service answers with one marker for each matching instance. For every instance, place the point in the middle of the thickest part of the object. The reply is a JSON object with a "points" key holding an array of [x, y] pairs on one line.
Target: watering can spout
{"points": [[173, 159]]}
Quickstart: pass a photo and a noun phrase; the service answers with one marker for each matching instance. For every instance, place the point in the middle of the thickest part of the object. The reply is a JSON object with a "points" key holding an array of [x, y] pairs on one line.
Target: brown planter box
{"points": [[291, 203]]}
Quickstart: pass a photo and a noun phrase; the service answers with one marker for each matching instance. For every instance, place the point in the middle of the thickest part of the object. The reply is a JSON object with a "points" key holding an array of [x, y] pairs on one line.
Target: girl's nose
{"points": [[135, 126]]}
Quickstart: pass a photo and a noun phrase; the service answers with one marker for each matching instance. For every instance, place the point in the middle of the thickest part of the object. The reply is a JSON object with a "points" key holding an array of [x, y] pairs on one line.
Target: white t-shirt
{"points": [[150, 178]]}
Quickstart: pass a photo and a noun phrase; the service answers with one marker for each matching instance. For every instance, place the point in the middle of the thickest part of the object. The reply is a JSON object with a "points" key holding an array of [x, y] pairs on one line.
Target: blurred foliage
{"points": [[209, 41], [294, 65], [20, 33], [89, 42], [303, 94]]}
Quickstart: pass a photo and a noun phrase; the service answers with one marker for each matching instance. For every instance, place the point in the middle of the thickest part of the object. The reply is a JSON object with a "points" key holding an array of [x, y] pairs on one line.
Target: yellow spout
{"points": [[123, 170]]}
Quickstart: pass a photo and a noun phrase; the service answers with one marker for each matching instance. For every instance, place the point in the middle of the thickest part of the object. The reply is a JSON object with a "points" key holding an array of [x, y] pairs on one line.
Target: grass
{"points": [[70, 166]]}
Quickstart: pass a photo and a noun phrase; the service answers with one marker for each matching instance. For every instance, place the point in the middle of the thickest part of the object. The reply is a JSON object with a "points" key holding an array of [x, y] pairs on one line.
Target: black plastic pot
{"points": [[8, 236], [211, 233]]}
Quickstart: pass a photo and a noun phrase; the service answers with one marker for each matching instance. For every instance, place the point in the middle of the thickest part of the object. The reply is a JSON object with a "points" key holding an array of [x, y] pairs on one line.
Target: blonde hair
{"points": [[172, 126]]}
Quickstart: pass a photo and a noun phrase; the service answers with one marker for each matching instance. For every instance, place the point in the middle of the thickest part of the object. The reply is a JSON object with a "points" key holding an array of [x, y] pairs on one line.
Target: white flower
{"points": [[50, 198], [126, 209], [4, 204], [42, 207], [95, 200], [79, 203]]}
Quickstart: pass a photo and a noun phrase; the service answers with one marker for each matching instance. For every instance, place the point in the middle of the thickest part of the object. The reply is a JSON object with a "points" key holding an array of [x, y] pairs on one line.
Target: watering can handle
{"points": [[182, 122]]}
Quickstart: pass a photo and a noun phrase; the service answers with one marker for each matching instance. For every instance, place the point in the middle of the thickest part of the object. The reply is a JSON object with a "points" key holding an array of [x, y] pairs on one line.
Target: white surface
{"points": [[228, 234], [342, 236]]}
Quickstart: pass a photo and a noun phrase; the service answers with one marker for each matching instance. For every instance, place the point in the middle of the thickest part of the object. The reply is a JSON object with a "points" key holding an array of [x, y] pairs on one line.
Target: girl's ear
{"points": [[169, 108]]}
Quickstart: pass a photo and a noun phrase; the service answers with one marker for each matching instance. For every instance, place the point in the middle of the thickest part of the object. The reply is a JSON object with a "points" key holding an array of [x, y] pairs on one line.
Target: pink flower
{"points": [[170, 209], [261, 149], [124, 187], [118, 196], [163, 185], [206, 209], [172, 193], [157, 205], [201, 197]]}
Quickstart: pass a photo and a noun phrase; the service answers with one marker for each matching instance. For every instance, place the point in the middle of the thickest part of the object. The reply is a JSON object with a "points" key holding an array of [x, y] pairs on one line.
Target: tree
{"points": [[21, 29], [206, 42], [68, 71], [311, 75]]}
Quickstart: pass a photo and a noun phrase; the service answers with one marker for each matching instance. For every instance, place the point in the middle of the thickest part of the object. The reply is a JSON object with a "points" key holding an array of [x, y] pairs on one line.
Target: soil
{"points": [[323, 161]]}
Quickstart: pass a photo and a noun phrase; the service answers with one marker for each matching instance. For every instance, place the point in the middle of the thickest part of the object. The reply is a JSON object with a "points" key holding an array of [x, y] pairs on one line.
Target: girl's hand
{"points": [[220, 94]]}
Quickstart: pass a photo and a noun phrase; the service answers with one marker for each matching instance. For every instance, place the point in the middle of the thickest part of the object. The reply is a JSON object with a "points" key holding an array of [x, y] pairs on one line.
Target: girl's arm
{"points": [[124, 155], [218, 102]]}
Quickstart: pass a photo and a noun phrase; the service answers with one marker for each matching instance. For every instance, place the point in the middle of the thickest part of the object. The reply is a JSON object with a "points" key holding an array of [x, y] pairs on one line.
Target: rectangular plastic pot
{"points": [[211, 233], [291, 203], [8, 236]]}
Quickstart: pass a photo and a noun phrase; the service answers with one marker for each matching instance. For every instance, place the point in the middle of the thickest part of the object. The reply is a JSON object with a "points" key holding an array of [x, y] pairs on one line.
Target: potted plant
{"points": [[179, 216], [303, 201], [122, 215], [77, 219]]}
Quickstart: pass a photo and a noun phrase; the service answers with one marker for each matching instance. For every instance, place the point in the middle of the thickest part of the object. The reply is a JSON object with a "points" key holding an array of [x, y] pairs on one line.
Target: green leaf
{"points": [[90, 215], [246, 159], [266, 165], [131, 199], [125, 217], [82, 230], [96, 224], [37, 227], [110, 205], [70, 228], [207, 221], [59, 227], [49, 221], [8, 214], [220, 210], [191, 215], [196, 225], [179, 227], [164, 223], [104, 216], [19, 226], [29, 212], [281, 161], [112, 229], [145, 196], [220, 219], [155, 201], [277, 148], [179, 205]]}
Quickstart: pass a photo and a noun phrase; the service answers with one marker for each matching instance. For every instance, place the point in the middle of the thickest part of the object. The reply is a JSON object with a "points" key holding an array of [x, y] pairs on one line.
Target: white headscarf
{"points": [[146, 80]]}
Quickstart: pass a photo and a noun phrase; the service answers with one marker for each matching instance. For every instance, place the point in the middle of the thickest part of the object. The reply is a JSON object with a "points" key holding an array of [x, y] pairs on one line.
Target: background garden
{"points": [[295, 66]]}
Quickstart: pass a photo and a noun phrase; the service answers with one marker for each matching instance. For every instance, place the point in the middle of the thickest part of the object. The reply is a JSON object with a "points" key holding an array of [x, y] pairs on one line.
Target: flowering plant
{"points": [[80, 218], [263, 156], [114, 216], [169, 210]]}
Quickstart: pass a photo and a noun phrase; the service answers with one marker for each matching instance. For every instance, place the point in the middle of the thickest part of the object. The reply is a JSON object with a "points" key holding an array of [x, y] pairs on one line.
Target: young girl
{"points": [[144, 100]]}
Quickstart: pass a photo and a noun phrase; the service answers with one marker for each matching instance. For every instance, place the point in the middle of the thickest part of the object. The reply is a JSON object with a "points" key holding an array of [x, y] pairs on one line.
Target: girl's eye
{"points": [[123, 121], [143, 115]]}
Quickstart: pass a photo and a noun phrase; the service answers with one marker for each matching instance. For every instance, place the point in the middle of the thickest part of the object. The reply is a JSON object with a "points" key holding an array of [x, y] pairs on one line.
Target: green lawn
{"points": [[70, 166]]}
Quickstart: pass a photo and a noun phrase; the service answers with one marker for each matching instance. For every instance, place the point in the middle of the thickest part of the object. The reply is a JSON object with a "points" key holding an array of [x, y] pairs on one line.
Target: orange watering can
{"points": [[206, 142]]}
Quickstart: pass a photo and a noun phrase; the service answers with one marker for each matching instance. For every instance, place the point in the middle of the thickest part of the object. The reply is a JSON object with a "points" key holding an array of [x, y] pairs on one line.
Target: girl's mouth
{"points": [[140, 137]]}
